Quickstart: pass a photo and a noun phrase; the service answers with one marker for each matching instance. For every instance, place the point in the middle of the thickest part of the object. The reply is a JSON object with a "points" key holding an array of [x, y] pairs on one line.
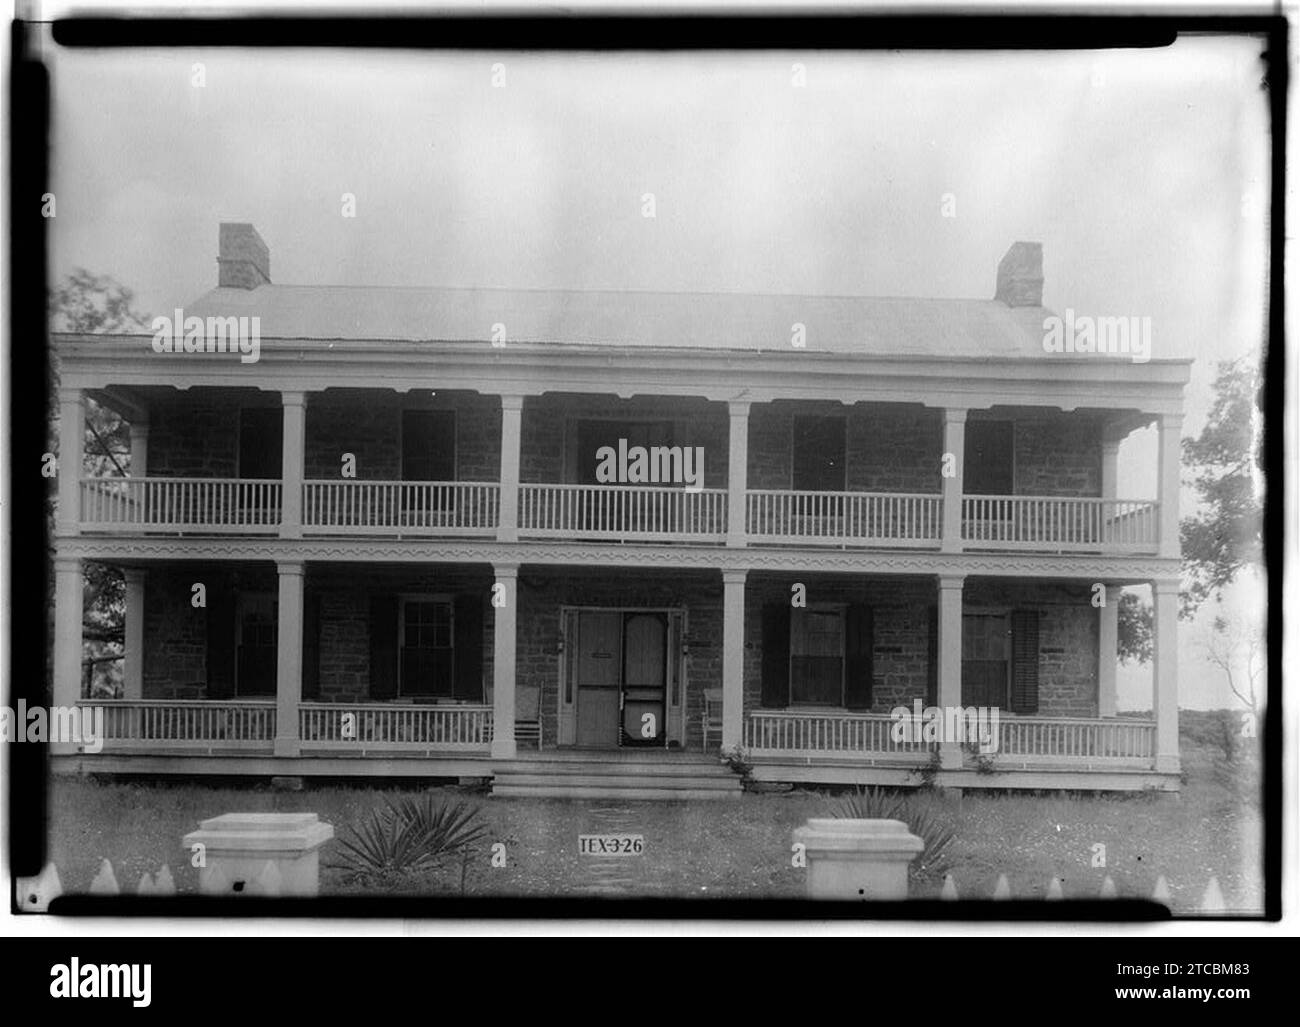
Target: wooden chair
{"points": [[712, 719], [528, 715]]}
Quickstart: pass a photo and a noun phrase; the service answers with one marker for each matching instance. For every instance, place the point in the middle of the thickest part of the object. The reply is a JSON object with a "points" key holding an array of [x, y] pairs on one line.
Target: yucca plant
{"points": [[922, 818], [407, 836]]}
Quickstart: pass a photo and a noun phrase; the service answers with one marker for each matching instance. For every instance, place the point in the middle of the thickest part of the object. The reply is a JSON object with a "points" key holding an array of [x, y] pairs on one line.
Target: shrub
{"points": [[922, 817], [408, 835]]}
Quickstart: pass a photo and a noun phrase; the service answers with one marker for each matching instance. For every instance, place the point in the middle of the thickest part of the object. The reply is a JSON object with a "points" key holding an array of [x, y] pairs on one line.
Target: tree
{"points": [[1225, 460], [1225, 535], [88, 303], [1134, 629], [1237, 649]]}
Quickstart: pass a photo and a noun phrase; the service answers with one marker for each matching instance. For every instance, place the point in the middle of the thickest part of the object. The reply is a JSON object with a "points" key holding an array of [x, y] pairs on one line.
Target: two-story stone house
{"points": [[412, 562]]}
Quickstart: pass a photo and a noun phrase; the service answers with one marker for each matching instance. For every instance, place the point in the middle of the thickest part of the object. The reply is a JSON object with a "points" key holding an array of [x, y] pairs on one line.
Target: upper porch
{"points": [[348, 463]]}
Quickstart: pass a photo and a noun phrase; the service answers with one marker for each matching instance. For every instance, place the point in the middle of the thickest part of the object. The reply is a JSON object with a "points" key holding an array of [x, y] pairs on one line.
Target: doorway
{"points": [[622, 687]]}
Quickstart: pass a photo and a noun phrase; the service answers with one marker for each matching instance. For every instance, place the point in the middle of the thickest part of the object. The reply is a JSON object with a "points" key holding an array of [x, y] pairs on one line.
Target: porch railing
{"points": [[201, 505], [1044, 739], [622, 513], [394, 727], [845, 518], [1031, 522], [1036, 740], [198, 725], [827, 735], [405, 507]]}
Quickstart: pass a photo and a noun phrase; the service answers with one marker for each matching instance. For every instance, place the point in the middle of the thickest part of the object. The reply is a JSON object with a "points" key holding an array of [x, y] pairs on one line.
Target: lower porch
{"points": [[410, 672]]}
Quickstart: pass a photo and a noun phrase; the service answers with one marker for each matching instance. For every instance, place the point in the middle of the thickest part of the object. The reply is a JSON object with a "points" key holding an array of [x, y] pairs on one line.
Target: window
{"points": [[255, 645], [817, 656], [985, 652], [261, 437], [817, 451], [593, 435], [428, 445], [426, 647], [989, 459]]}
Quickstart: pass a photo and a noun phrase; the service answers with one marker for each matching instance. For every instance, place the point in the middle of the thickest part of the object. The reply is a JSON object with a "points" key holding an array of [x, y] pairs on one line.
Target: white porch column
{"points": [[1171, 452], [504, 622], [72, 431], [139, 430], [949, 653], [292, 463], [67, 638], [288, 659], [133, 647], [512, 416], [737, 472], [954, 442], [1109, 467], [1164, 676], [733, 658], [1108, 652]]}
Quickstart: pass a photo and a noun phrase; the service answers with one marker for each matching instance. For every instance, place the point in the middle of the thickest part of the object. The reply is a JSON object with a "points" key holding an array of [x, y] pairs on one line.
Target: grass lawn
{"points": [[739, 849]]}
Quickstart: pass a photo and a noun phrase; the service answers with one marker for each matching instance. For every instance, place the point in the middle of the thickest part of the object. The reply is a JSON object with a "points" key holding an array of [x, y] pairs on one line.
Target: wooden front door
{"points": [[645, 638], [599, 682]]}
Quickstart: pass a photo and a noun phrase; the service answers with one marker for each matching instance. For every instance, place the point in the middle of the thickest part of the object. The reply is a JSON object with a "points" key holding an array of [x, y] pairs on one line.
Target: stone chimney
{"points": [[1020, 275], [243, 261]]}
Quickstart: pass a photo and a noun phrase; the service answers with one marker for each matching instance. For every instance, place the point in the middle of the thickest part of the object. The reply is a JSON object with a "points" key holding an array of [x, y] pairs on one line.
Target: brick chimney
{"points": [[1020, 275], [243, 261]]}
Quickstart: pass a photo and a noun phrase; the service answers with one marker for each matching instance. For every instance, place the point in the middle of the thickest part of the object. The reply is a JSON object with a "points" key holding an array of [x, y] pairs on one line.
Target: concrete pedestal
{"points": [[267, 854], [863, 860]]}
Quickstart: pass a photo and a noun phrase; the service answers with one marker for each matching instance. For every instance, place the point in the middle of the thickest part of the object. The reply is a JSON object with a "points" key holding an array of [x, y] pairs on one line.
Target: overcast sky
{"points": [[1143, 173]]}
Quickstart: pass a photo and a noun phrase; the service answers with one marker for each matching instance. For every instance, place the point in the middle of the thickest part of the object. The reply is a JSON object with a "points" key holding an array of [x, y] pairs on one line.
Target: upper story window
{"points": [[593, 435], [428, 445], [261, 439], [817, 452], [990, 456]]}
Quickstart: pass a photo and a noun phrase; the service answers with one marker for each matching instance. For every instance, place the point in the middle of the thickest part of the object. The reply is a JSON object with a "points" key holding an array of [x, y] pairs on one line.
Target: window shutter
{"points": [[221, 642], [468, 656], [858, 665], [776, 655], [1024, 661], [932, 657], [311, 647], [383, 647]]}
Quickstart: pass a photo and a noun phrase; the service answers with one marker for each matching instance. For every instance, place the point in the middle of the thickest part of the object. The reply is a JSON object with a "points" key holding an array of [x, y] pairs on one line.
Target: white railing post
{"points": [[1171, 428], [67, 637], [139, 431], [504, 633], [1108, 652], [733, 657], [288, 663], [1164, 630], [72, 428], [133, 643], [512, 408], [292, 464], [953, 458], [737, 474], [949, 659]]}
